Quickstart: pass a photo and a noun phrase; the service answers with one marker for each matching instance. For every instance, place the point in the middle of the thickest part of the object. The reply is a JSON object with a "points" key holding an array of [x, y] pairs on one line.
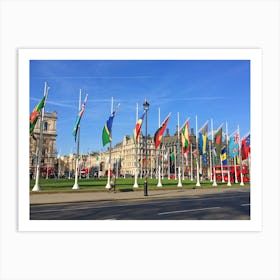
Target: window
{"points": [[46, 126]]}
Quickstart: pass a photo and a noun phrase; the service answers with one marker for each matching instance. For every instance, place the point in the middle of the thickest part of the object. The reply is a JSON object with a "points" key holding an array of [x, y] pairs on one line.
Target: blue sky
{"points": [[217, 89]]}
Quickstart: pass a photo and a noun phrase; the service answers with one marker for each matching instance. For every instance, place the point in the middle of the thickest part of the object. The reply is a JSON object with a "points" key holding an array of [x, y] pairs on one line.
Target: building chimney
{"points": [[167, 132]]}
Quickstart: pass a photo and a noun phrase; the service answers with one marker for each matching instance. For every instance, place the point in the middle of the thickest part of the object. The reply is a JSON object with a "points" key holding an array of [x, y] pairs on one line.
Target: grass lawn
{"points": [[121, 184]]}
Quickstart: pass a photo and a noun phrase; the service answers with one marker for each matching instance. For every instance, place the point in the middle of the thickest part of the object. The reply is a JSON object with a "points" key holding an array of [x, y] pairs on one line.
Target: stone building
{"points": [[124, 159], [48, 157]]}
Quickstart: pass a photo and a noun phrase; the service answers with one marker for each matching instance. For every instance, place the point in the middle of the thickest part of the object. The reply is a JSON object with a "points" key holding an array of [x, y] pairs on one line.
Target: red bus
{"points": [[224, 168], [43, 171]]}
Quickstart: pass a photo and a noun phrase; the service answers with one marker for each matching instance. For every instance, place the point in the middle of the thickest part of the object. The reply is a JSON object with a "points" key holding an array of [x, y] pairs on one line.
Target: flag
{"points": [[78, 118], [35, 115], [203, 139], [245, 147], [195, 153], [215, 156], [107, 130], [224, 155], [218, 140], [160, 131], [204, 159], [185, 137], [138, 128], [233, 145]]}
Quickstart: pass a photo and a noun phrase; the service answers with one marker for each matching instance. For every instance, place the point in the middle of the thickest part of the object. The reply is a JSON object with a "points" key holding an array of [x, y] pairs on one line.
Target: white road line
{"points": [[74, 209], [189, 210], [245, 204], [137, 204]]}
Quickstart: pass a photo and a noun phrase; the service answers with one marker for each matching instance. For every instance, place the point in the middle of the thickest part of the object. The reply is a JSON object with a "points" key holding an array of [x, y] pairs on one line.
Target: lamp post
{"points": [[146, 108]]}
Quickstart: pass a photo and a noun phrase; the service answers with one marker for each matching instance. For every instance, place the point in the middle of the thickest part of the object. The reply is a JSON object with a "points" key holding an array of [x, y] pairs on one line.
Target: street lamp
{"points": [[146, 108]]}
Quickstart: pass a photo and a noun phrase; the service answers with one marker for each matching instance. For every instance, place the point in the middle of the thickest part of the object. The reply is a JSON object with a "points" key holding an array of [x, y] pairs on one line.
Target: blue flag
{"points": [[107, 130], [224, 155], [233, 146], [203, 140]]}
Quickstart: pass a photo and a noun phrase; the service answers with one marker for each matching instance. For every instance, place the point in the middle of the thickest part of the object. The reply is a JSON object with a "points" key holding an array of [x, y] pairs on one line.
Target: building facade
{"points": [[49, 154], [127, 158]]}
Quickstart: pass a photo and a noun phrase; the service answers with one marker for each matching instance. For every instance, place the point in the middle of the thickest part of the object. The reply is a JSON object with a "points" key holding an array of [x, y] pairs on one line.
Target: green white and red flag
{"points": [[35, 114]]}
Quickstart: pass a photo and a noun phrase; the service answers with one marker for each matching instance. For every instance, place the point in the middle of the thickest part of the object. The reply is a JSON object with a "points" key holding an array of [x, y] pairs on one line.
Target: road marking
{"points": [[248, 204], [170, 200], [189, 210], [74, 209]]}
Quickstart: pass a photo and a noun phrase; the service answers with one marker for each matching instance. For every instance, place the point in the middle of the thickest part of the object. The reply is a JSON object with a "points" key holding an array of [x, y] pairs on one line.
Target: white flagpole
{"points": [[197, 166], [214, 170], [178, 143], [168, 159], [36, 186], [191, 162], [183, 173], [175, 162], [158, 155], [210, 159], [222, 170], [183, 166], [227, 154], [151, 161], [240, 159], [141, 157], [76, 186], [110, 148], [235, 171], [162, 162], [99, 162], [136, 154]]}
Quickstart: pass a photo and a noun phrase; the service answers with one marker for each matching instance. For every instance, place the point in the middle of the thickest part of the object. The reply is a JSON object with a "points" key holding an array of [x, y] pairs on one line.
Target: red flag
{"points": [[160, 131], [195, 153], [245, 147], [138, 128]]}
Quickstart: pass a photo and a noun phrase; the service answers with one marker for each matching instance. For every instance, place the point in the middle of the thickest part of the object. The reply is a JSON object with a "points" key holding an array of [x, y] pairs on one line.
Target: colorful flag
{"points": [[107, 130], [215, 156], [218, 140], [78, 118], [224, 155], [245, 147], [160, 131], [185, 137], [35, 115], [195, 153], [137, 129], [203, 139], [233, 145]]}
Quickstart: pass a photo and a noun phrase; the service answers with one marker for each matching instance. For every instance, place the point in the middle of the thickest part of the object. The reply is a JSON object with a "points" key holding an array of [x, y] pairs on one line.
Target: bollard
{"points": [[146, 187]]}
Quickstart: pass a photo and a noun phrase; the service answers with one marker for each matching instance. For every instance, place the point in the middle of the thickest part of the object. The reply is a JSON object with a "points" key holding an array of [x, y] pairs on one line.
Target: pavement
{"points": [[82, 195]]}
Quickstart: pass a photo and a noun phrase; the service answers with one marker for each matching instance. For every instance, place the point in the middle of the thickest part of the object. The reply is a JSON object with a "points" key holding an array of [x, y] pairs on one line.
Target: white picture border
{"points": [[254, 55]]}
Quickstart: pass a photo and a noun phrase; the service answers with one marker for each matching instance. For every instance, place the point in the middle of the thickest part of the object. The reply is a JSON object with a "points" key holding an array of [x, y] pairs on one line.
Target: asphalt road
{"points": [[219, 206]]}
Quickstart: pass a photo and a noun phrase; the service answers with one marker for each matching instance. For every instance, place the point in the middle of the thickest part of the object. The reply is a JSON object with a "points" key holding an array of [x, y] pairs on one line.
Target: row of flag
{"points": [[234, 146]]}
